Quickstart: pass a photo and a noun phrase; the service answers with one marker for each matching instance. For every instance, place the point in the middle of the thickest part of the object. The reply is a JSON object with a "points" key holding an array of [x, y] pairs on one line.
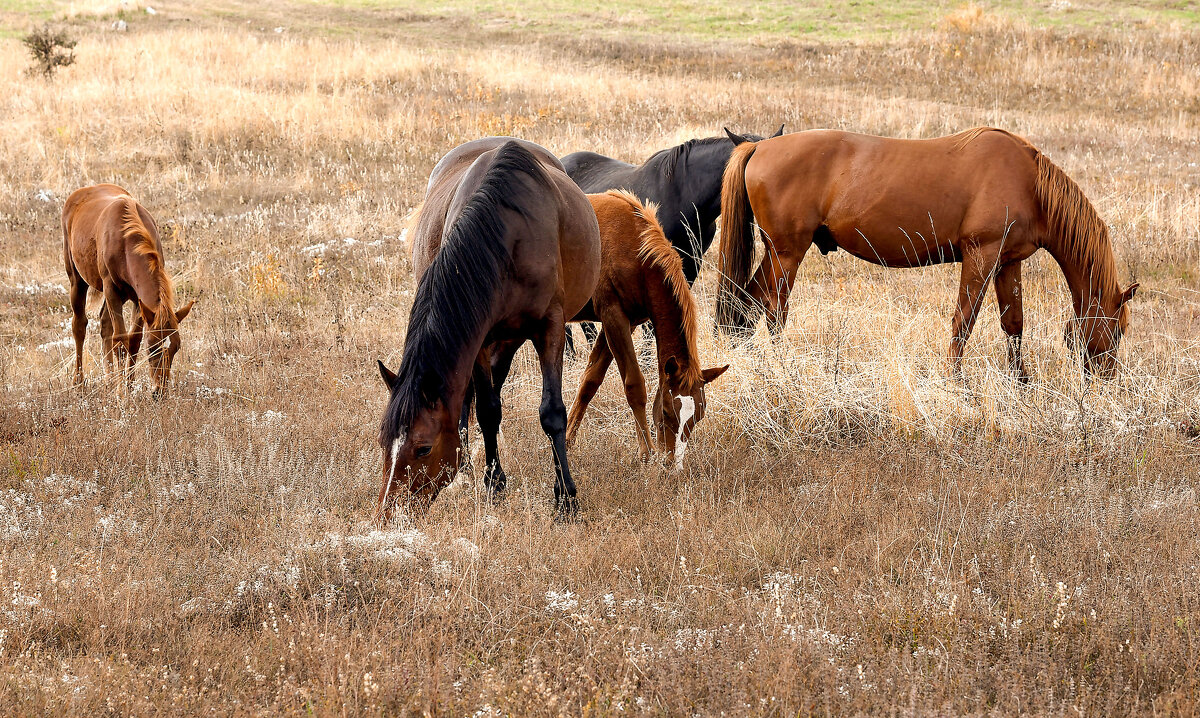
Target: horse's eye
{"points": [[423, 451]]}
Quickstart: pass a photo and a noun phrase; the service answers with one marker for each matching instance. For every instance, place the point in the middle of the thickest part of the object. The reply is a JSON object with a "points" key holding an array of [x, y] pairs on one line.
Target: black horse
{"points": [[684, 181]]}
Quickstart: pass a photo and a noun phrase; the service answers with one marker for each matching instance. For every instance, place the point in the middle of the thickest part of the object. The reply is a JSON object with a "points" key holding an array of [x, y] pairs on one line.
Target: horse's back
{"points": [[594, 172], [556, 216], [462, 156], [90, 202], [875, 192], [89, 228], [450, 184]]}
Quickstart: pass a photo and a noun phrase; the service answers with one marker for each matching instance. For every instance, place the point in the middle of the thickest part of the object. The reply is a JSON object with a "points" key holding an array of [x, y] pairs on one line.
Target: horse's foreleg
{"points": [[135, 343], [118, 338], [569, 338], [1012, 317], [553, 414], [593, 377], [106, 337], [79, 321], [590, 331], [620, 343], [970, 297], [482, 364], [488, 412]]}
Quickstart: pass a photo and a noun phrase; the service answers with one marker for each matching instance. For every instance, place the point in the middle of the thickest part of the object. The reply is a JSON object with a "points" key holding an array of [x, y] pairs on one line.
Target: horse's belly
{"points": [[896, 247]]}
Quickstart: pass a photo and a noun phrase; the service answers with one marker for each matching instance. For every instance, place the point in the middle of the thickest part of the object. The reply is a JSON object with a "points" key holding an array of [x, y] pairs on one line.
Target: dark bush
{"points": [[51, 49]]}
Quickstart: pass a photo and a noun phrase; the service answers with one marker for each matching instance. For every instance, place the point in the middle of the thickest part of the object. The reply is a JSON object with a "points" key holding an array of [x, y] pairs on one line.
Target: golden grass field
{"points": [[853, 531]]}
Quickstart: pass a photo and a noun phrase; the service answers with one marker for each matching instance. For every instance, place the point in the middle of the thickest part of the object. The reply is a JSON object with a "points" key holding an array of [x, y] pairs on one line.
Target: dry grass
{"points": [[853, 531]]}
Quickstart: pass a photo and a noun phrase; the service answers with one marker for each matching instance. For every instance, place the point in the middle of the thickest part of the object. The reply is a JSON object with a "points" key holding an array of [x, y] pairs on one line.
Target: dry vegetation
{"points": [[853, 531]]}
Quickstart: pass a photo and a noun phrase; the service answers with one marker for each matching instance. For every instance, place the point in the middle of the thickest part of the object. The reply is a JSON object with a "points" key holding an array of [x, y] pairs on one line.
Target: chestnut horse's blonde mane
{"points": [[132, 229], [657, 251], [1071, 219]]}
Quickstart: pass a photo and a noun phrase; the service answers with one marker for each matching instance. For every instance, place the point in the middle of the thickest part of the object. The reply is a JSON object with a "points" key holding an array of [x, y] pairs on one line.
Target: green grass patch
{"points": [[766, 21]]}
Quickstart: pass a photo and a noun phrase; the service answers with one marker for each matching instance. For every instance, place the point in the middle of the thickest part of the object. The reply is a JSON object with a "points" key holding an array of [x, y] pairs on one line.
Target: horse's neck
{"points": [[1090, 280], [708, 165], [667, 315], [153, 289]]}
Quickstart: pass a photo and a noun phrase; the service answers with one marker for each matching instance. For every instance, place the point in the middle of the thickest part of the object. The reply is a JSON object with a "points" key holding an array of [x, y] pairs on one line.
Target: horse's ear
{"points": [[710, 375], [778, 132], [388, 377], [671, 368], [180, 314], [734, 137], [1129, 292]]}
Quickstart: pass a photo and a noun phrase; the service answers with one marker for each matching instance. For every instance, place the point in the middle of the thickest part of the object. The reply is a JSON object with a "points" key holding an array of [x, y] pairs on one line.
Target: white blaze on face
{"points": [[687, 409], [396, 444]]}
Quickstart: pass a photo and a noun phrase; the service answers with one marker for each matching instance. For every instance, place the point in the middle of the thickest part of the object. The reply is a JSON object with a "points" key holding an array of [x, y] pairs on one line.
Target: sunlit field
{"points": [[854, 529]]}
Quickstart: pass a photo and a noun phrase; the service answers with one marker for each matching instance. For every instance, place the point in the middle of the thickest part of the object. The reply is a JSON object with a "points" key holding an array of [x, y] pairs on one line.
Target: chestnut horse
{"points": [[110, 243], [642, 279], [506, 248], [985, 198]]}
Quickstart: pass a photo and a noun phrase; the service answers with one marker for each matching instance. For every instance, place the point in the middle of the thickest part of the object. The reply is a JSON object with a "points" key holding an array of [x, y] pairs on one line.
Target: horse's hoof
{"points": [[496, 482], [566, 510]]}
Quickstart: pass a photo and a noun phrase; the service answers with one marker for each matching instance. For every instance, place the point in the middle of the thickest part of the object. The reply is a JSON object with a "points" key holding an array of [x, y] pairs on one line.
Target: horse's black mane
{"points": [[457, 292], [667, 160]]}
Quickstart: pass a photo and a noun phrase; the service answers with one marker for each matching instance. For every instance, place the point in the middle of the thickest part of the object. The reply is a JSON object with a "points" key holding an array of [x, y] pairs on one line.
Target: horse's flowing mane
{"points": [[657, 251], [1071, 218], [132, 228], [456, 294], [669, 158]]}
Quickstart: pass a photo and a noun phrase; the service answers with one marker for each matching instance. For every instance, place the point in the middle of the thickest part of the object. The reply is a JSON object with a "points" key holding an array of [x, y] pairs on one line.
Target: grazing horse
{"points": [[506, 249], [985, 198], [684, 181], [110, 243], [641, 278]]}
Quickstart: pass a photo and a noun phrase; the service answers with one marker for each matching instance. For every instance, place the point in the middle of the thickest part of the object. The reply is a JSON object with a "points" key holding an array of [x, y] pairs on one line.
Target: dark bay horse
{"points": [[506, 249], [985, 198], [642, 279], [111, 244], [684, 181]]}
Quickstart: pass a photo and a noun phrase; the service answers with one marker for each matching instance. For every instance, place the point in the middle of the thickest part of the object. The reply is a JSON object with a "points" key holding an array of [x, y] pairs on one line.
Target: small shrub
{"points": [[51, 49]]}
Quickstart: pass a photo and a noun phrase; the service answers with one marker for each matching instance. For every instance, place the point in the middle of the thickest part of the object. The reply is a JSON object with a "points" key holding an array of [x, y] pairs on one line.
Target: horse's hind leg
{"points": [[553, 414], [772, 283], [1012, 317], [593, 377], [79, 320]]}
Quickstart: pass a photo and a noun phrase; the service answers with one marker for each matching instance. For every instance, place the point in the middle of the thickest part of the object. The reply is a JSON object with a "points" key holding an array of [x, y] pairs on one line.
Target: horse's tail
{"points": [[1072, 221], [737, 241]]}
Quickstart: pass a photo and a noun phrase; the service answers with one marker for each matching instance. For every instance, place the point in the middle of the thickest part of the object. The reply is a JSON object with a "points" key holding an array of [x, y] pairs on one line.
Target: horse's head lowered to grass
{"points": [[421, 449], [1096, 333]]}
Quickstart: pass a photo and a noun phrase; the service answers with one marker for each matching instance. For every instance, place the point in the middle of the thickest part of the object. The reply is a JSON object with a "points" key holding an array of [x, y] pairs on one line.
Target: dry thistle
{"points": [[51, 49]]}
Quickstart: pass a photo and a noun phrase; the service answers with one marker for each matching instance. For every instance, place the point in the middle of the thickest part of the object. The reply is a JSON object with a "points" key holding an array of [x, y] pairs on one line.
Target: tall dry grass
{"points": [[853, 531]]}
